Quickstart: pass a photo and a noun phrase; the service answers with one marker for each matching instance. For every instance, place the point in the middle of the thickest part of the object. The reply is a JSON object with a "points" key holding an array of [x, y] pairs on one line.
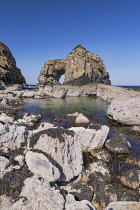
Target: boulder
{"points": [[9, 72], [29, 119], [100, 166], [62, 149], [126, 112], [90, 138], [81, 119], [72, 204], [125, 205], [38, 195], [118, 144], [40, 166], [12, 136], [131, 178], [6, 119], [101, 154], [28, 94]]}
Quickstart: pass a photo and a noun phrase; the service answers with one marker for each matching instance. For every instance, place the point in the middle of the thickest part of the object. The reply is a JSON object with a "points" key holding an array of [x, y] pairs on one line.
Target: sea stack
{"points": [[9, 72], [80, 67]]}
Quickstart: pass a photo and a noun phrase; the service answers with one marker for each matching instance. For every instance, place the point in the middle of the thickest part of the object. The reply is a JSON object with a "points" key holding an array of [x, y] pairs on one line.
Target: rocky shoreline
{"points": [[55, 168], [46, 166]]}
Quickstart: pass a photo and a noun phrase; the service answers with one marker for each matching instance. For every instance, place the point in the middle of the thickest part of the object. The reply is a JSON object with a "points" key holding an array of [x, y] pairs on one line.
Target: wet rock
{"points": [[100, 166], [39, 196], [29, 119], [81, 119], [103, 193], [11, 183], [63, 148], [125, 205], [80, 189], [12, 136], [118, 144], [71, 204], [131, 178], [90, 138], [101, 154], [6, 119], [40, 166]]}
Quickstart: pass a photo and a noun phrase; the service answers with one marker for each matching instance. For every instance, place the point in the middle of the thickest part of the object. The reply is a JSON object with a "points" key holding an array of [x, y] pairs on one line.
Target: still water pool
{"points": [[55, 111]]}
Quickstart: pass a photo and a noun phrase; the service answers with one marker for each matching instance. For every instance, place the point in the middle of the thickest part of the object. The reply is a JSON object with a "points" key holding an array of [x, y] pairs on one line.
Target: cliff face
{"points": [[80, 67], [9, 72]]}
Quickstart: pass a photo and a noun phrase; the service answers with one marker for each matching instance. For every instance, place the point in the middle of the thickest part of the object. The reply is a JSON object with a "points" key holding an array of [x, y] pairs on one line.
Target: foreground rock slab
{"points": [[62, 149]]}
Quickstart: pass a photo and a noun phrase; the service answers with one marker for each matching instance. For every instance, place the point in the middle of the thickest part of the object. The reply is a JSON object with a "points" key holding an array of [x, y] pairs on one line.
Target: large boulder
{"points": [[126, 112], [38, 195], [90, 138], [12, 136], [62, 150], [80, 67], [9, 72]]}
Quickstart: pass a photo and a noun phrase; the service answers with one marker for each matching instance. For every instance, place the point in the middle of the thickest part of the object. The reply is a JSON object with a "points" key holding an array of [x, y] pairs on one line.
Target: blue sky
{"points": [[40, 30]]}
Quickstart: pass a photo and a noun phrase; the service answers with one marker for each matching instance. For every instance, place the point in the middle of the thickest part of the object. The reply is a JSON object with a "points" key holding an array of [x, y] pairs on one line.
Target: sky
{"points": [[39, 30]]}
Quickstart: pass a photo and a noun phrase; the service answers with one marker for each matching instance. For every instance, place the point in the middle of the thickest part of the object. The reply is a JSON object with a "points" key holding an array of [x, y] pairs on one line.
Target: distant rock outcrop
{"points": [[80, 67], [9, 72]]}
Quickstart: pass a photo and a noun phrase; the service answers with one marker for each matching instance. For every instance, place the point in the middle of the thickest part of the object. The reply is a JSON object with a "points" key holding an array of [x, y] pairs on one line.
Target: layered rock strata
{"points": [[79, 67], [9, 72]]}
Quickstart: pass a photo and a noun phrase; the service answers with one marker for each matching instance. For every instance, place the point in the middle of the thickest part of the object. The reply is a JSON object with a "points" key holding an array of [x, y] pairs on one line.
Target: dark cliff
{"points": [[9, 72]]}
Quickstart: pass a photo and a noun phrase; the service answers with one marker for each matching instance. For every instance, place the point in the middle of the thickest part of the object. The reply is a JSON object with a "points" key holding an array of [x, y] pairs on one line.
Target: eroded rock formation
{"points": [[9, 72], [80, 67]]}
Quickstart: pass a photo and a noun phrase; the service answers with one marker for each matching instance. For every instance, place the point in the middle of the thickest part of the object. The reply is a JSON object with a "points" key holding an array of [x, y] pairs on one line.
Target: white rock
{"points": [[124, 205], [20, 159], [40, 166], [75, 114], [90, 138], [4, 102], [71, 204], [28, 94], [12, 136], [81, 119], [39, 196], [5, 202], [66, 151], [44, 126], [4, 163], [5, 166], [6, 119], [126, 112], [31, 119]]}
